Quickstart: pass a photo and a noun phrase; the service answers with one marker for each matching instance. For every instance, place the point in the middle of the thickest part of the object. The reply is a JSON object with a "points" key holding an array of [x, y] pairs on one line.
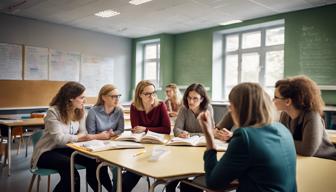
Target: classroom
{"points": [[213, 45]]}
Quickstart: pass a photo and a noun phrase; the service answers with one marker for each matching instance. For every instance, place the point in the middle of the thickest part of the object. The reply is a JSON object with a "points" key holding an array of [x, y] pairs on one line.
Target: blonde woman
{"points": [[299, 99], [147, 114], [106, 118], [173, 99], [261, 153]]}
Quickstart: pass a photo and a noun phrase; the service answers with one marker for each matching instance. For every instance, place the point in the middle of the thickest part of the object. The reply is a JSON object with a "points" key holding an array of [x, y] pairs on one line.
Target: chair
{"points": [[42, 171], [199, 182]]}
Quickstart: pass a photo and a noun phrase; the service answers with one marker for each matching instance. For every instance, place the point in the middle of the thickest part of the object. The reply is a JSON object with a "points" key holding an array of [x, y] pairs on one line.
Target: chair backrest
{"points": [[36, 136]]}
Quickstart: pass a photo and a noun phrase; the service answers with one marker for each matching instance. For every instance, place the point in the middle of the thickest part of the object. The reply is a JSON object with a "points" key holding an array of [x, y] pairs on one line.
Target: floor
{"points": [[20, 177]]}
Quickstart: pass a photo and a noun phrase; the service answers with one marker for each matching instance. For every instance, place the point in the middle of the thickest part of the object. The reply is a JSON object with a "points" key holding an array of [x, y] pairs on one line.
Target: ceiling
{"points": [[154, 17]]}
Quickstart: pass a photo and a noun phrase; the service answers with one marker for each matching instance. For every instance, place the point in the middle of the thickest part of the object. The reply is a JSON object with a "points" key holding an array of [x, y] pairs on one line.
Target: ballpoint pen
{"points": [[140, 153]]}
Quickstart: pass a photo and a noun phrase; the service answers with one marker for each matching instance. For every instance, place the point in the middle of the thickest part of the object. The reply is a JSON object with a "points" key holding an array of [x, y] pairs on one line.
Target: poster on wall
{"points": [[96, 72], [36, 62], [10, 61], [64, 66]]}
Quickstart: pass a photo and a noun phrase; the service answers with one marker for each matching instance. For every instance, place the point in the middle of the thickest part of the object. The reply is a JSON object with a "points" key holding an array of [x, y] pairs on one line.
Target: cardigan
{"points": [[157, 120], [309, 135], [56, 133], [187, 121], [262, 159], [98, 120]]}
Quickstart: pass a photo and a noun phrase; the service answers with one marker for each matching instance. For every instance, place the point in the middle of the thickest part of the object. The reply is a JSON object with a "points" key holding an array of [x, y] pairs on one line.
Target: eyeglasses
{"points": [[195, 99], [148, 94], [276, 97], [115, 96]]}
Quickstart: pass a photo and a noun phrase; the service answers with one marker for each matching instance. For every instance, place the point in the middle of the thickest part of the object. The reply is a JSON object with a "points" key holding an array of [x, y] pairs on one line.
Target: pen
{"points": [[141, 152]]}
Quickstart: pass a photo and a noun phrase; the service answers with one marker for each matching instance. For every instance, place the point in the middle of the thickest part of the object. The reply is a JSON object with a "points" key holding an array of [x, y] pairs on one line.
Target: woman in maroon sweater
{"points": [[147, 113]]}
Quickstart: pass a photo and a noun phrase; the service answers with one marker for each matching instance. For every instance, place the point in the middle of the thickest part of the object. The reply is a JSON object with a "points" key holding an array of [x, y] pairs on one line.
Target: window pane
{"points": [[250, 67], [150, 71], [275, 36], [231, 70], [232, 43], [274, 67], [150, 51], [251, 39]]}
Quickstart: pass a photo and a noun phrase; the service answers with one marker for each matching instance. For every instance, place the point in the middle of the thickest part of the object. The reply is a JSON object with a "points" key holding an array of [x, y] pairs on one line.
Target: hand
{"points": [[204, 120], [104, 135], [223, 134], [172, 114], [184, 134], [138, 129]]}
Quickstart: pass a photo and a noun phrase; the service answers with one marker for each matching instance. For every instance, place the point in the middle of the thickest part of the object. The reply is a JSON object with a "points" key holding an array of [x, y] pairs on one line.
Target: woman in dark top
{"points": [[299, 99], [261, 154]]}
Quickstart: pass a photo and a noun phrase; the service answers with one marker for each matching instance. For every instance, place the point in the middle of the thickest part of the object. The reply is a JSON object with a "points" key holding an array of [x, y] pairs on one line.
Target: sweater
{"points": [[262, 159], [157, 120]]}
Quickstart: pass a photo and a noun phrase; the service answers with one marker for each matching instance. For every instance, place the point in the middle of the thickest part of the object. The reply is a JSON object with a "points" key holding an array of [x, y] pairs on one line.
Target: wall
{"points": [[193, 50], [20, 30]]}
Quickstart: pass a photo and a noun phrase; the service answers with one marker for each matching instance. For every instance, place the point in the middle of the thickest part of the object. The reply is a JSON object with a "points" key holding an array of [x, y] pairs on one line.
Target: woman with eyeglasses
{"points": [[106, 119], [173, 99], [147, 114], [261, 153], [65, 123], [299, 99], [195, 100]]}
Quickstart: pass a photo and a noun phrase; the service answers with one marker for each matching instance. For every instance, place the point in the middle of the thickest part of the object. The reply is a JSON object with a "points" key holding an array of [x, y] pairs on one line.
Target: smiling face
{"points": [[194, 100], [112, 98], [78, 102], [148, 95]]}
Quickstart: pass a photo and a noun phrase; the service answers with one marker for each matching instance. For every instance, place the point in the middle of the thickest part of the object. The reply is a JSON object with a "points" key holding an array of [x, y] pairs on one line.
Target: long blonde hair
{"points": [[252, 105], [137, 102], [106, 89], [177, 98]]}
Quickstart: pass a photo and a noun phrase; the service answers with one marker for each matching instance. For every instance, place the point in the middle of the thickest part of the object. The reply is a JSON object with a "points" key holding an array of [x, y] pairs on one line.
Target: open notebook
{"points": [[197, 141], [102, 145], [149, 137]]}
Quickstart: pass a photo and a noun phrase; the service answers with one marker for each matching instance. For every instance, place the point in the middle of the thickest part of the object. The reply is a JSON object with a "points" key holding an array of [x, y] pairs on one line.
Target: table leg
{"points": [[9, 151], [102, 164], [72, 167]]}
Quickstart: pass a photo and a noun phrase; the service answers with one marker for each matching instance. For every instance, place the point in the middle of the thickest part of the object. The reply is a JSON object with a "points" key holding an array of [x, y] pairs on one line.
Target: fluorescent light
{"points": [[231, 22], [138, 2], [107, 13]]}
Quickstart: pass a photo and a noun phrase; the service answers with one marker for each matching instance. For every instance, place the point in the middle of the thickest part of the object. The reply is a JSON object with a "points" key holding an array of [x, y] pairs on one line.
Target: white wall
{"points": [[25, 31]]}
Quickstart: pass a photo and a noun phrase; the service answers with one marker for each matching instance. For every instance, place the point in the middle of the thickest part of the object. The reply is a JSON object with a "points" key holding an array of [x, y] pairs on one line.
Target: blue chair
{"points": [[42, 171]]}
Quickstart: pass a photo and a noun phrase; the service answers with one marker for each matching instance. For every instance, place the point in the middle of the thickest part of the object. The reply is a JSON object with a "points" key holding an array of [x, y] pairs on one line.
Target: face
{"points": [[169, 92], [78, 102], [279, 101], [148, 95], [194, 100], [112, 98]]}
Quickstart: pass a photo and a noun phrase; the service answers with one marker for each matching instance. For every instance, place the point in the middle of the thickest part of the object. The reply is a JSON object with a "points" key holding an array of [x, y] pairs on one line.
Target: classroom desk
{"points": [[189, 164], [33, 122]]}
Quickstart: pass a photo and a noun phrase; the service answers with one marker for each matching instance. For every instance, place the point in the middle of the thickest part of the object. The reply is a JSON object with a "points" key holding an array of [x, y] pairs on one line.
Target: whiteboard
{"points": [[10, 61], [36, 62], [64, 66], [96, 72]]}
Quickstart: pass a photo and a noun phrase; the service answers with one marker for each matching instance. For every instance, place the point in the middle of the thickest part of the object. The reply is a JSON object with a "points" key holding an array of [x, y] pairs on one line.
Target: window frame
{"points": [[156, 60]]}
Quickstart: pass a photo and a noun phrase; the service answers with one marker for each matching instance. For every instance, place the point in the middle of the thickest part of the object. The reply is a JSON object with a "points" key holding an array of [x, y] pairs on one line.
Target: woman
{"points": [[173, 99], [261, 154], [195, 101], [299, 99], [147, 114], [106, 118], [65, 123]]}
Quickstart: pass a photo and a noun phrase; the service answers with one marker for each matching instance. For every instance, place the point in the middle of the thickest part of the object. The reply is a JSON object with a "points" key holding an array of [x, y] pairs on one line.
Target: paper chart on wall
{"points": [[10, 61], [36, 63], [96, 72], [64, 66]]}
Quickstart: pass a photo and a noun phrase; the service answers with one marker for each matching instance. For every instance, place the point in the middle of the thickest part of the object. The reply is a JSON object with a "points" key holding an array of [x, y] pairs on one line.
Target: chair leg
{"points": [[32, 182], [48, 183], [38, 183]]}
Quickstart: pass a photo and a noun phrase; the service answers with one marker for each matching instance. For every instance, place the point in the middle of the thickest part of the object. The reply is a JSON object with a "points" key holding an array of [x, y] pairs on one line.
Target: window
{"points": [[249, 54], [151, 62]]}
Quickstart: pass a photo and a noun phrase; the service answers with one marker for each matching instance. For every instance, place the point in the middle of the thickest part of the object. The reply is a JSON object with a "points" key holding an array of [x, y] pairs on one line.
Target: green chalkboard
{"points": [[317, 58]]}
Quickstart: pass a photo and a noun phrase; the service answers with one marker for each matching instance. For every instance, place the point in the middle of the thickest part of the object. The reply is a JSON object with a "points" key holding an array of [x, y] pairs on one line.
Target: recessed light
{"points": [[138, 2], [106, 13], [231, 22]]}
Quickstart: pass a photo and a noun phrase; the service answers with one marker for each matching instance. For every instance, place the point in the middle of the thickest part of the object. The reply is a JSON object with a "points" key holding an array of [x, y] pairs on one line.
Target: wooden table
{"points": [[18, 123]]}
